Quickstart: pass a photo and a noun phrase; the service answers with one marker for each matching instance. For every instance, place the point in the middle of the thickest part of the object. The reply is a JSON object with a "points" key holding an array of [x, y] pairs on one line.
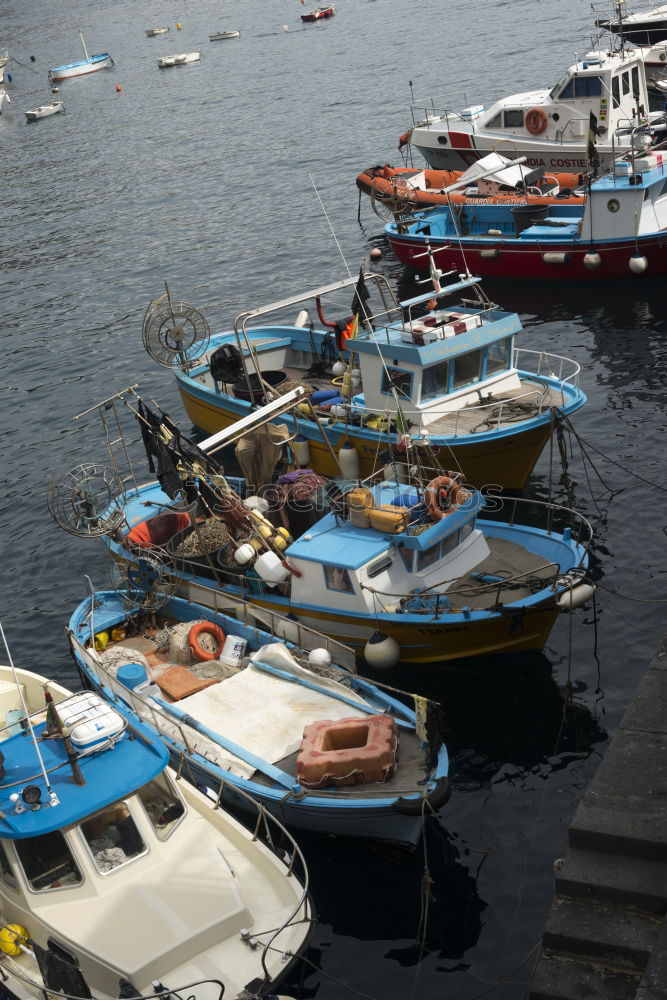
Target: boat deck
{"points": [[503, 410], [411, 771], [507, 560]]}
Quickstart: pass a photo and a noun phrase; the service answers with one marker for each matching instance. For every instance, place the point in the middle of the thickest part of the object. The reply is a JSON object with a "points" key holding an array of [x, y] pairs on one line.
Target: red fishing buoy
{"points": [[118, 88]]}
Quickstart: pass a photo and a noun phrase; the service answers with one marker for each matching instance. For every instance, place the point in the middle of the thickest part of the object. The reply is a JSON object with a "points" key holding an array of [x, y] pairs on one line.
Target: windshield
{"points": [[553, 93]]}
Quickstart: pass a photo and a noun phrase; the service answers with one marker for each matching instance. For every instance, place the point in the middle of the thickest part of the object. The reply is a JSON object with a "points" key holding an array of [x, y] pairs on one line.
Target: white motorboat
{"points": [[45, 111], [154, 32], [179, 60], [221, 36], [641, 28], [119, 879], [550, 127], [91, 64]]}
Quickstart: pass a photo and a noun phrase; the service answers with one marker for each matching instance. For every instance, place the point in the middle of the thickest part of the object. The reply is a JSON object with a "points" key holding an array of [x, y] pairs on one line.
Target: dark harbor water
{"points": [[205, 176]]}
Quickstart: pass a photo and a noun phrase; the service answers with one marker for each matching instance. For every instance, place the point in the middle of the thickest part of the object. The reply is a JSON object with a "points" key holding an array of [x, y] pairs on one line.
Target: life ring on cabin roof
{"points": [[442, 487], [209, 628], [536, 121]]}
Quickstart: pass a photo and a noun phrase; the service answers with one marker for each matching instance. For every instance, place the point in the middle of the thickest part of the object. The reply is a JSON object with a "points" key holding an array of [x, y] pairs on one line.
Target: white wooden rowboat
{"points": [[152, 32], [179, 60], [45, 111], [220, 36]]}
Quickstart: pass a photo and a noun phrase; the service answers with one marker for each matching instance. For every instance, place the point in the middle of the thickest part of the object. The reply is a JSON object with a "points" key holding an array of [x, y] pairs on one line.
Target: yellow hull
{"points": [[505, 462]]}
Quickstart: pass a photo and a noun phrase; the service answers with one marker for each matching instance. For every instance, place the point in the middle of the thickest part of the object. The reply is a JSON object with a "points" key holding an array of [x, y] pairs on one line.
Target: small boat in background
{"points": [[4, 74], [642, 28], [178, 60], [4, 96], [221, 36], [45, 111], [319, 13], [153, 32], [91, 64]]}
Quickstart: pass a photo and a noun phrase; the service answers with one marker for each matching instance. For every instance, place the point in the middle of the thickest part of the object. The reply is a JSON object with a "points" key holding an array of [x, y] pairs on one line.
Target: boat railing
{"points": [[426, 112], [542, 514], [9, 969], [554, 366], [265, 826]]}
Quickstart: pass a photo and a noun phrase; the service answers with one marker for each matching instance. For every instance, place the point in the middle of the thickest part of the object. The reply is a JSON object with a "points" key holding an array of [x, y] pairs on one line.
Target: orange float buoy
{"points": [[118, 88]]}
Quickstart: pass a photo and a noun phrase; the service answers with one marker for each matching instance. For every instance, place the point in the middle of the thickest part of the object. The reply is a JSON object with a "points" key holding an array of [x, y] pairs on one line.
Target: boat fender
{"points": [[382, 651], [536, 121], [348, 460], [12, 939], [592, 261], [301, 450], [442, 487], [576, 597], [209, 628], [556, 257], [436, 799], [637, 263]]}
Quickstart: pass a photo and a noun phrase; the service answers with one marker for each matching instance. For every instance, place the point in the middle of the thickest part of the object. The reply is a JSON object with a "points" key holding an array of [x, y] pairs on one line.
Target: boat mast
{"points": [[85, 50]]}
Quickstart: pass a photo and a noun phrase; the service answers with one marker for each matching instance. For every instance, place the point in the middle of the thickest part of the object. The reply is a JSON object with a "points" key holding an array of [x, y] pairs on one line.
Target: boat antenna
{"points": [[53, 798], [92, 607], [349, 273], [85, 50]]}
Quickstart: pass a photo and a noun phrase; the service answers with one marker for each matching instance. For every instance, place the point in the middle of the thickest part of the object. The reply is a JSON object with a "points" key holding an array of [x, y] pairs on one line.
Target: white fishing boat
{"points": [[550, 126], [154, 32], [117, 878], [4, 96], [91, 64], [221, 36], [45, 111], [179, 60]]}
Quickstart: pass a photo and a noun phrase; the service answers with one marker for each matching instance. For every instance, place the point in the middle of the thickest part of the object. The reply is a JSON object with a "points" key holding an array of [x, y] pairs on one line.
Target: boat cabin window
{"points": [[396, 378], [615, 93], [438, 551], [635, 82], [496, 121], [582, 86], [467, 369], [498, 356], [8, 876], [513, 118], [112, 837], [338, 579], [407, 555], [625, 83], [435, 380], [163, 805], [47, 862]]}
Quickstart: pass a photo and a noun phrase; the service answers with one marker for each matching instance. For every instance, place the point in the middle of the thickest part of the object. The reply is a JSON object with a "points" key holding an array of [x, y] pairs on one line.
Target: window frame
{"points": [[24, 841], [84, 838], [177, 797], [459, 358], [388, 391], [339, 569]]}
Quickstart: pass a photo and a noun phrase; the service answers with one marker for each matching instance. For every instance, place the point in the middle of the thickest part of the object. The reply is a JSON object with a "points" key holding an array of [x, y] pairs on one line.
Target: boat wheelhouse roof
{"points": [[333, 541], [110, 775]]}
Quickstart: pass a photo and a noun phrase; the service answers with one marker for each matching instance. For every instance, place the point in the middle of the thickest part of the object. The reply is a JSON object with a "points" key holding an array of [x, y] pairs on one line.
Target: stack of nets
{"points": [[292, 383], [209, 536]]}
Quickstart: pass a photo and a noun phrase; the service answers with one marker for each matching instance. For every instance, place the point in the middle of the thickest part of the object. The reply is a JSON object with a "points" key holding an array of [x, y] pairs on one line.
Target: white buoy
{"points": [[381, 651], [592, 261], [338, 368], [376, 253], [638, 263], [244, 554], [348, 460], [285, 27], [320, 657], [575, 597], [302, 319], [301, 450]]}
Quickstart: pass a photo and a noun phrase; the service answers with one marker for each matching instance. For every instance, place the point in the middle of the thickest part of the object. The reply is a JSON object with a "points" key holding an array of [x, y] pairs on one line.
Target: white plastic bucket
{"points": [[270, 568], [233, 651]]}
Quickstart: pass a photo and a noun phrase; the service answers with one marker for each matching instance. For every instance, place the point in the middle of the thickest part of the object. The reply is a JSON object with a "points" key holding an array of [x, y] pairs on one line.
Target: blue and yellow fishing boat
{"points": [[448, 375]]}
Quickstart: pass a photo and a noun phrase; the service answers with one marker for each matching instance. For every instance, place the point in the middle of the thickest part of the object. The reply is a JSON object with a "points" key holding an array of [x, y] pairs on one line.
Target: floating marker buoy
{"points": [[376, 253], [285, 28], [301, 450], [55, 90], [638, 263], [178, 26], [32, 58], [9, 77], [320, 657], [381, 651], [592, 261], [11, 938], [348, 459], [118, 88]]}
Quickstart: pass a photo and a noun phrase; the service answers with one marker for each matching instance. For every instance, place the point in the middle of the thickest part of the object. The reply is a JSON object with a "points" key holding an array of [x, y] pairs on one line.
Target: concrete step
{"points": [[614, 880], [558, 978], [604, 935]]}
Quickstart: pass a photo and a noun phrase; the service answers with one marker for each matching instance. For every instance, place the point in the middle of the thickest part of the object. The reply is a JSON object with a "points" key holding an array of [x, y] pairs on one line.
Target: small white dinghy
{"points": [[179, 60], [153, 32], [4, 96], [220, 36], [45, 111]]}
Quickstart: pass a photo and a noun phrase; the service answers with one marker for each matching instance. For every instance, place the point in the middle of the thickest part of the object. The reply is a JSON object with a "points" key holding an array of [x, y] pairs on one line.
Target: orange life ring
{"points": [[536, 121], [432, 494], [210, 628]]}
